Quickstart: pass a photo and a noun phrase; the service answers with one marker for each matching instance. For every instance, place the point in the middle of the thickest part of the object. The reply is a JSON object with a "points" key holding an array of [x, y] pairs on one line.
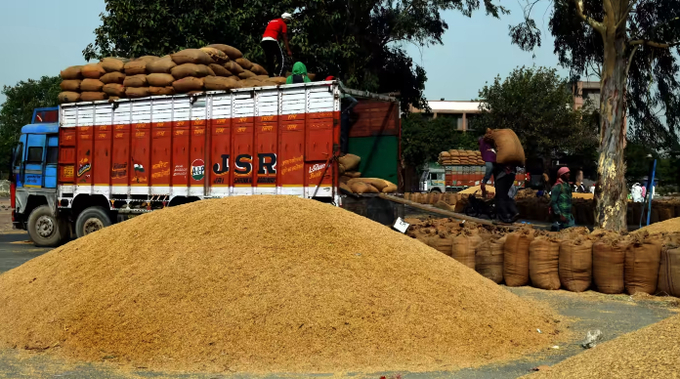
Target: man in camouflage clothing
{"points": [[560, 201]]}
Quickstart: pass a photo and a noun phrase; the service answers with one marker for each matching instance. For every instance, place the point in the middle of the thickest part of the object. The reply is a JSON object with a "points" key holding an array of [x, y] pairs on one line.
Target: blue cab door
{"points": [[34, 161]]}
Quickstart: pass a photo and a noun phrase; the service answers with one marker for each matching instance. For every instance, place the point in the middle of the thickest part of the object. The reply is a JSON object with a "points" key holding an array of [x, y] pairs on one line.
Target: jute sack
{"points": [[251, 82], [576, 264], [233, 67], [113, 64], [261, 77], [258, 69], [113, 77], [114, 89], [189, 69], [609, 255], [544, 257], [218, 56], [232, 52], [93, 96], [218, 83], [135, 81], [91, 85], [161, 66], [641, 270], [246, 74], [361, 187], [243, 62], [195, 56], [669, 271], [391, 188], [464, 247], [160, 80], [158, 91], [349, 162], [92, 71], [188, 84], [72, 85], [278, 80], [516, 258], [136, 92], [345, 187], [353, 174], [68, 97], [136, 67], [379, 184], [489, 259], [508, 148], [148, 58], [72, 73], [219, 70], [442, 243]]}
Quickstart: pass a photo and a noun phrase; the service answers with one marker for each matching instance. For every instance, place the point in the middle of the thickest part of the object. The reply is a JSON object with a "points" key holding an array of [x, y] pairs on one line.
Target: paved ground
{"points": [[613, 315], [15, 246]]}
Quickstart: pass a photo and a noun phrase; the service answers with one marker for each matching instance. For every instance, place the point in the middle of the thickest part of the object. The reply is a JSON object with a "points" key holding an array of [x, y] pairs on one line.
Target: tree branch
{"points": [[624, 16], [630, 59], [660, 45], [591, 21]]}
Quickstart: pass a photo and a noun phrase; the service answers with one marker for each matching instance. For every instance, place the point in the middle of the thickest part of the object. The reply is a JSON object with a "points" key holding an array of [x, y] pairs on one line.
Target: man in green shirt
{"points": [[560, 201], [299, 74]]}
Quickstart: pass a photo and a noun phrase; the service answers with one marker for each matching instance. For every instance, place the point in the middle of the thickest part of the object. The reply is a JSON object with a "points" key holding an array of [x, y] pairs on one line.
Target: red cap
{"points": [[562, 171]]}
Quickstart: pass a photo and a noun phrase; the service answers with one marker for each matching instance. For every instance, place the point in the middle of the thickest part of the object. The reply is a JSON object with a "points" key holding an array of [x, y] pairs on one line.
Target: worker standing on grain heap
{"points": [[276, 29], [560, 201]]}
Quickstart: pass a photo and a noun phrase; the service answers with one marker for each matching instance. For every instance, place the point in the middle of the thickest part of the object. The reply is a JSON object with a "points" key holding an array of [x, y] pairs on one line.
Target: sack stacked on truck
{"points": [[351, 180], [460, 158], [188, 71]]}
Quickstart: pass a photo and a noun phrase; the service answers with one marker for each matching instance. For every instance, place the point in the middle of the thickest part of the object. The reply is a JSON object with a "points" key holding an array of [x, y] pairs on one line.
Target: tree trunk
{"points": [[611, 192]]}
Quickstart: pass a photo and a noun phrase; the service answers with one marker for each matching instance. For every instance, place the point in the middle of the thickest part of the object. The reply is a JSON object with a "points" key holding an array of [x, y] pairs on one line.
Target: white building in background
{"points": [[463, 111]]}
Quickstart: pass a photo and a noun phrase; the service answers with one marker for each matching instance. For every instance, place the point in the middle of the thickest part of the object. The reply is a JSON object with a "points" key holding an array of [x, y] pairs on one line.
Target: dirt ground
{"points": [[612, 314]]}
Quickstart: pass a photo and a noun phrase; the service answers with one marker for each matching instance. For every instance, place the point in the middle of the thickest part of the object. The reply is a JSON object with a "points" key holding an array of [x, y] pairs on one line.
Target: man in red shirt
{"points": [[276, 29]]}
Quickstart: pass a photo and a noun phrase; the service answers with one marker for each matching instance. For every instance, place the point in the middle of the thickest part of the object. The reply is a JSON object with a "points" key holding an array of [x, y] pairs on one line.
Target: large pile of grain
{"points": [[214, 67], [652, 352], [260, 284], [672, 225]]}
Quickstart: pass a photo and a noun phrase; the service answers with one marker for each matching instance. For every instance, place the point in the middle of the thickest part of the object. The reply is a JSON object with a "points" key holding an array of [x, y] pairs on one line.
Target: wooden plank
{"points": [[442, 212]]}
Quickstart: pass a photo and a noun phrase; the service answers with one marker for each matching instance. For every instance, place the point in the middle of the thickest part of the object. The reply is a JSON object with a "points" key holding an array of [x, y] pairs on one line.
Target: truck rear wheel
{"points": [[46, 229], [91, 220]]}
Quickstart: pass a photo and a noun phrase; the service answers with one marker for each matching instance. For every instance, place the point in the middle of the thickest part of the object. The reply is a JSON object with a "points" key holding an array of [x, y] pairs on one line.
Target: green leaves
{"points": [[354, 40], [17, 110], [538, 105]]}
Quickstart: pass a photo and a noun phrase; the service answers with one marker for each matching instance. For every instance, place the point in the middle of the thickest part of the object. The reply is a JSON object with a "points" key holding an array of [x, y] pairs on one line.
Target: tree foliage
{"points": [[423, 138], [652, 30], [17, 110], [537, 104], [358, 41]]}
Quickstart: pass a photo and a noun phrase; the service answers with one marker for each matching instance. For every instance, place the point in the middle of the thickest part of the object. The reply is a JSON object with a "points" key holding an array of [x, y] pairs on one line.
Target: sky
{"points": [[41, 37]]}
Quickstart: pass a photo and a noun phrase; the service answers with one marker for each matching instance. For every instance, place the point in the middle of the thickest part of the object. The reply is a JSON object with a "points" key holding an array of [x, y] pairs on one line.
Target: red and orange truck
{"points": [[83, 166]]}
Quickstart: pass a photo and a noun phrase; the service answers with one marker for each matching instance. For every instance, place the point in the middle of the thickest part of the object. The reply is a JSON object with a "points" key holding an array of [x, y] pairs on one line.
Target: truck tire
{"points": [[90, 220], [45, 229]]}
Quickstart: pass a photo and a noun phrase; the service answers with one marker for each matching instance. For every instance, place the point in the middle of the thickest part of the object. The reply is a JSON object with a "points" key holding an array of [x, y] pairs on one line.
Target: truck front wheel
{"points": [[90, 220], [46, 229]]}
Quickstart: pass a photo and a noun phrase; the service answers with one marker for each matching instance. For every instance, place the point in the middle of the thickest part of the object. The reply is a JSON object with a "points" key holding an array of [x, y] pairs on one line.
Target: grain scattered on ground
{"points": [[264, 284], [649, 353]]}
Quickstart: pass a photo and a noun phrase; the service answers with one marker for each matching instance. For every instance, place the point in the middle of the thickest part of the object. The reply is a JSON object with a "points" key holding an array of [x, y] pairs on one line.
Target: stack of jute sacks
{"points": [[352, 182], [212, 68], [461, 158], [574, 259]]}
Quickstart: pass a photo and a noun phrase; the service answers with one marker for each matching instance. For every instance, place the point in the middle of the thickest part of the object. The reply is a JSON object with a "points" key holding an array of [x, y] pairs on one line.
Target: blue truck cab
{"points": [[34, 179]]}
